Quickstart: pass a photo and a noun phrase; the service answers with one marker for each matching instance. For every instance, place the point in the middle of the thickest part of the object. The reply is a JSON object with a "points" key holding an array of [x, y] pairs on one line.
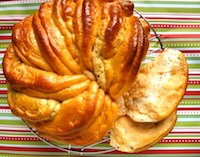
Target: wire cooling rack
{"points": [[99, 147]]}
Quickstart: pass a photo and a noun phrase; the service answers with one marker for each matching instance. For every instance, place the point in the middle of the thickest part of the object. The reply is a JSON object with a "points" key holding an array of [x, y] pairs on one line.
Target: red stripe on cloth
{"points": [[5, 37], [182, 140], [185, 108], [192, 93], [7, 130], [11, 19], [173, 18], [194, 82], [6, 27], [8, 138], [193, 26], [184, 151], [5, 107], [185, 132], [43, 149], [191, 51], [177, 35], [29, 149], [2, 81], [194, 74], [2, 52], [3, 91]]}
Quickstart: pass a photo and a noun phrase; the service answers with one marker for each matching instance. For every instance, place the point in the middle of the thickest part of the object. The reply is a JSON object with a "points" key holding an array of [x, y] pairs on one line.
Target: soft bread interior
{"points": [[147, 111], [158, 88]]}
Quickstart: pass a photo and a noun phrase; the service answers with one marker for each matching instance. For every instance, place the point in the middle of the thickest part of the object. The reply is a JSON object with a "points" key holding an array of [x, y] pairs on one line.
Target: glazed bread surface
{"points": [[69, 62]]}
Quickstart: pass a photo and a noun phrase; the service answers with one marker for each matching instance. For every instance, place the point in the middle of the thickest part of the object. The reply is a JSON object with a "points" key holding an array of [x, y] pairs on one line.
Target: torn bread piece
{"points": [[158, 88], [132, 137]]}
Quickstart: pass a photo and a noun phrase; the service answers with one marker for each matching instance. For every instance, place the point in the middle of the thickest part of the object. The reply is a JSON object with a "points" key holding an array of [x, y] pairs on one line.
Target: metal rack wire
{"points": [[156, 37], [95, 148]]}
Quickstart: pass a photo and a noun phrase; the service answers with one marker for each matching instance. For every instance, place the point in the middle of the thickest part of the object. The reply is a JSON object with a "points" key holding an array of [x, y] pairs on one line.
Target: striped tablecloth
{"points": [[178, 24]]}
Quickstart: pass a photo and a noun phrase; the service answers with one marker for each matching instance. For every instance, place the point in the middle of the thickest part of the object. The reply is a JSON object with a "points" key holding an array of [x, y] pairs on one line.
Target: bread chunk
{"points": [[158, 88], [66, 63], [130, 136]]}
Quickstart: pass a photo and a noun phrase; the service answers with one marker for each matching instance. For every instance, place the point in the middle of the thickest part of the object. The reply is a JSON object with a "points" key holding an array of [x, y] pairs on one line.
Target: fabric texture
{"points": [[178, 24]]}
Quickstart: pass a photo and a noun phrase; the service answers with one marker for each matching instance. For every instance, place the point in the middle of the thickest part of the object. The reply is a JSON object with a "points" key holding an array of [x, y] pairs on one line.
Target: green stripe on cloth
{"points": [[20, 5], [17, 12]]}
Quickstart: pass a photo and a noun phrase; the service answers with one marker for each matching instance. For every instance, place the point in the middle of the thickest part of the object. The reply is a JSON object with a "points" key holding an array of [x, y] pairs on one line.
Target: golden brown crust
{"points": [[132, 137], [70, 59], [32, 108]]}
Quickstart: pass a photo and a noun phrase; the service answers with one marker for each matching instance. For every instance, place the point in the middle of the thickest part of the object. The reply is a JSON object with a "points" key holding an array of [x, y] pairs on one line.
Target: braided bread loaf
{"points": [[69, 62]]}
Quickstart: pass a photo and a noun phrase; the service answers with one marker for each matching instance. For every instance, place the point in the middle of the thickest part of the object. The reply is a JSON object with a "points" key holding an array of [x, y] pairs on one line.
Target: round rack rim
{"points": [[157, 36], [72, 150]]}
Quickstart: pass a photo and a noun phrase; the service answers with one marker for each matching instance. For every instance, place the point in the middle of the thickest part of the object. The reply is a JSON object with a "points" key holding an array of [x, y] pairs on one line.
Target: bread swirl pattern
{"points": [[68, 63]]}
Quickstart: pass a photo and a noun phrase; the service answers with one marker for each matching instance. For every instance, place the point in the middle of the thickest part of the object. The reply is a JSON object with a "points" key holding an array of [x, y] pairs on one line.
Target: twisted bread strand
{"points": [[72, 59]]}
